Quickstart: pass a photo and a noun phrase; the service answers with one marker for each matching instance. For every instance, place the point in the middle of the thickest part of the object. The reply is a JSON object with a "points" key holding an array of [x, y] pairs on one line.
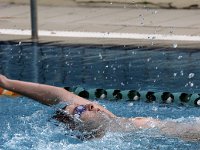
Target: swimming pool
{"points": [[26, 124]]}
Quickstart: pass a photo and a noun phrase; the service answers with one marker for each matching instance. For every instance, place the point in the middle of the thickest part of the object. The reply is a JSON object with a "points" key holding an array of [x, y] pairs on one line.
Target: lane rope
{"points": [[128, 95], [134, 95]]}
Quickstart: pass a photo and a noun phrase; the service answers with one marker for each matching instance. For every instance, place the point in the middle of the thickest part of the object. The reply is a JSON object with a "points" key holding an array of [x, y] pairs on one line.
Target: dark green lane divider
{"points": [[134, 95]]}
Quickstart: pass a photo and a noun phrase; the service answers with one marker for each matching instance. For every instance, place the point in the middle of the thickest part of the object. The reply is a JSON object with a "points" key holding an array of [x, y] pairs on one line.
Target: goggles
{"points": [[79, 110]]}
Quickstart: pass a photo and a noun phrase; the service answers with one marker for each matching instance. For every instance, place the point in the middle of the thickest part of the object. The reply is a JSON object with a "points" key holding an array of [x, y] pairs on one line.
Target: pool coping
{"points": [[17, 17], [102, 42]]}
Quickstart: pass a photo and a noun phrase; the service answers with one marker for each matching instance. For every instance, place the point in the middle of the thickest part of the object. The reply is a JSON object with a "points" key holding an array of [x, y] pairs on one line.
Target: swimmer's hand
{"points": [[3, 80]]}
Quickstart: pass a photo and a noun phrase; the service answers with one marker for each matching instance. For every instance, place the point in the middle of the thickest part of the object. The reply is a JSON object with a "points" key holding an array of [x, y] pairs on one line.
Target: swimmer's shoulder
{"points": [[144, 122]]}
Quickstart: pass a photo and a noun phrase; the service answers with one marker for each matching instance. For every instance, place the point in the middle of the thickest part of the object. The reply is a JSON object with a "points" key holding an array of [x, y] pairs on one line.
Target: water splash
{"points": [[175, 45], [191, 75]]}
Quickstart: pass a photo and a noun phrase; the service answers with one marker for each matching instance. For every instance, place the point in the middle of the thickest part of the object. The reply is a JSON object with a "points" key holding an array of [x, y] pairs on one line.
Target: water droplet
{"points": [[122, 84], [175, 45], [179, 57], [181, 72], [133, 52], [148, 59], [155, 108], [191, 84], [186, 84], [175, 74], [130, 104], [198, 102], [100, 56], [191, 75]]}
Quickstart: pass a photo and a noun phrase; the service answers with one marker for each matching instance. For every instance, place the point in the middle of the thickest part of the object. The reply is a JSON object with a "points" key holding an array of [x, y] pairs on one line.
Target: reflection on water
{"points": [[103, 66]]}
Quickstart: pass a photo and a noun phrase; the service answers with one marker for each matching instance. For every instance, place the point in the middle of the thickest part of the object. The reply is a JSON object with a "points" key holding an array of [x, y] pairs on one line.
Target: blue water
{"points": [[25, 124]]}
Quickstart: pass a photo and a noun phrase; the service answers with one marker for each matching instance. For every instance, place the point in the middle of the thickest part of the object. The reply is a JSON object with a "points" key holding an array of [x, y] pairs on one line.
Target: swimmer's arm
{"points": [[144, 122], [185, 131], [45, 94]]}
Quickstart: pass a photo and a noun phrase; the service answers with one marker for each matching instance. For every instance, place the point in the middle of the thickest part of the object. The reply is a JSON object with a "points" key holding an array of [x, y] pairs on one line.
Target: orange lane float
{"points": [[7, 92]]}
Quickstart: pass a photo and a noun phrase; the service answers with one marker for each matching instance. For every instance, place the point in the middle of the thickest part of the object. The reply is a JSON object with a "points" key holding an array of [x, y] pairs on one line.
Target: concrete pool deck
{"points": [[103, 25]]}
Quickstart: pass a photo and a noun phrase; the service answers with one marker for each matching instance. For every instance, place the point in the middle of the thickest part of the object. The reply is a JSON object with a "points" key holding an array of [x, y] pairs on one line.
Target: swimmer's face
{"points": [[93, 120], [91, 112]]}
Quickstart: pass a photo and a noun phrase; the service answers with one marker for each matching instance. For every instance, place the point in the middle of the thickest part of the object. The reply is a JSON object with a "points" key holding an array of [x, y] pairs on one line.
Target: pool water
{"points": [[26, 124]]}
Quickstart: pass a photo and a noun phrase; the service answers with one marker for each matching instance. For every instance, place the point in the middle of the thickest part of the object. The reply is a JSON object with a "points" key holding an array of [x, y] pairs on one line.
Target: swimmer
{"points": [[92, 119]]}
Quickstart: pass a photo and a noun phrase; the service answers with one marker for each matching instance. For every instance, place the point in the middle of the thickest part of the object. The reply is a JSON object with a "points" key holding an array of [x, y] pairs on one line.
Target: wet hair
{"points": [[62, 116], [89, 129], [94, 128]]}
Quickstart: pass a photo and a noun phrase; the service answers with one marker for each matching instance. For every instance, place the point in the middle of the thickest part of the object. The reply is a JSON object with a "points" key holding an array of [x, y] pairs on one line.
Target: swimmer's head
{"points": [[88, 119]]}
